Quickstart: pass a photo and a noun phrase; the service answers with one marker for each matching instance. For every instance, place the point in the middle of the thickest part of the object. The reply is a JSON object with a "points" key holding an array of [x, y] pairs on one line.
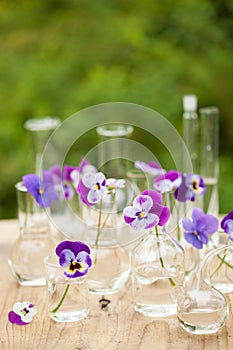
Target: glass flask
{"points": [[35, 241], [113, 149], [209, 157], [157, 274], [40, 130], [202, 309], [104, 233], [68, 299]]}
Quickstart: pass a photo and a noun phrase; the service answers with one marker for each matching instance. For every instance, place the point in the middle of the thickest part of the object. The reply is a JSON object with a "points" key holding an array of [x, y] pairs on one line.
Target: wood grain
{"points": [[117, 328]]}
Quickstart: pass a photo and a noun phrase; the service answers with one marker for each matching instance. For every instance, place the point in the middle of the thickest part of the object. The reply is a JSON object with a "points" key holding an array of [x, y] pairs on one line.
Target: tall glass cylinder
{"points": [[113, 153], [209, 157], [190, 129]]}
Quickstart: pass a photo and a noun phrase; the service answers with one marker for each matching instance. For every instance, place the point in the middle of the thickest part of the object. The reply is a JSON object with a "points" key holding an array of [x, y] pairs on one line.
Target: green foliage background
{"points": [[58, 57]]}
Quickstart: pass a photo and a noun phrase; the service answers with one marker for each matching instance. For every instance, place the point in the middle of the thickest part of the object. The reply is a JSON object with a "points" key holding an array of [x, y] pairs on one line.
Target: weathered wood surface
{"points": [[118, 328]]}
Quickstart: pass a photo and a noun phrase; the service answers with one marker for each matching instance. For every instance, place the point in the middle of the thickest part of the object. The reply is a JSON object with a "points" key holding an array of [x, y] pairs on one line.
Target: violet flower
{"points": [[197, 230], [191, 185], [147, 211], [62, 181], [227, 224], [41, 189], [74, 258], [168, 182], [152, 168], [91, 188], [22, 313]]}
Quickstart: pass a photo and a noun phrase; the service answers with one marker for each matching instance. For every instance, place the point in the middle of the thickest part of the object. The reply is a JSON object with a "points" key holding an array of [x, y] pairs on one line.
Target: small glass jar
{"points": [[27, 254], [157, 274], [68, 299]]}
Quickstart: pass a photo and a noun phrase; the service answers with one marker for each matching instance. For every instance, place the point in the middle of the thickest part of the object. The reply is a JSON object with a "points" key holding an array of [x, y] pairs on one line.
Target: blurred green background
{"points": [[58, 57]]}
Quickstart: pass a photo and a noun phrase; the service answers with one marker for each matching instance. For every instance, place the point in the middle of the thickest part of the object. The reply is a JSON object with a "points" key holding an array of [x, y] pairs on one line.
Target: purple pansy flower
{"points": [[147, 211], [22, 313], [227, 224], [158, 208], [152, 168], [138, 216], [84, 167], [61, 181], [42, 190], [91, 188], [191, 185], [168, 182], [74, 257], [197, 230]]}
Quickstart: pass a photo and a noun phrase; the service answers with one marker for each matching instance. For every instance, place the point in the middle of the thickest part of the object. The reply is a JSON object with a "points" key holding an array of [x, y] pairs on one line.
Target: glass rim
{"points": [[115, 129], [52, 263]]}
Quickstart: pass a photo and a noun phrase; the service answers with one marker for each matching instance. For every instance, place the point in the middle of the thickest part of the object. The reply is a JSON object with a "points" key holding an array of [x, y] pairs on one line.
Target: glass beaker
{"points": [[68, 299], [27, 254], [202, 309], [157, 274]]}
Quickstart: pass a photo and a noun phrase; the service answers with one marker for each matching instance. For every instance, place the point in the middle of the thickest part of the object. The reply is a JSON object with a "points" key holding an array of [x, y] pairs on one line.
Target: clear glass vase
{"points": [[68, 299], [202, 309], [35, 241], [113, 149], [157, 274], [104, 233]]}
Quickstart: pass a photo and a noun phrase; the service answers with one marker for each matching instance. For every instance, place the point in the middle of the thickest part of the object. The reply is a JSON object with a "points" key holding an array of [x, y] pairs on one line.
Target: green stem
{"points": [[62, 299], [178, 223], [222, 260], [160, 256]]}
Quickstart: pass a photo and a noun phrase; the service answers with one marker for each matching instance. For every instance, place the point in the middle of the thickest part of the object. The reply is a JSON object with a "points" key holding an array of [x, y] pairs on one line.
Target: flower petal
{"points": [[207, 224], [143, 203], [89, 180], [93, 196], [188, 225], [76, 247], [193, 239], [66, 257]]}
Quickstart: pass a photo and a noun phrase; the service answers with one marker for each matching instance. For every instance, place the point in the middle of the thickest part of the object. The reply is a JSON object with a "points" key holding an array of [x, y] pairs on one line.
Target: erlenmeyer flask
{"points": [[202, 309]]}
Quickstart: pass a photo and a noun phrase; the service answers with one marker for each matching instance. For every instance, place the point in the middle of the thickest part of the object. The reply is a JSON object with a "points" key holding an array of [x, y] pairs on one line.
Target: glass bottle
{"points": [[202, 309], [209, 157], [113, 149], [157, 274], [190, 129], [35, 241], [40, 130]]}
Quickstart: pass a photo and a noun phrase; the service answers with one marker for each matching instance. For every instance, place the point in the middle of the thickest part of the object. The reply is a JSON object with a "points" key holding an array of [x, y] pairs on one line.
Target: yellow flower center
{"points": [[142, 215], [41, 191]]}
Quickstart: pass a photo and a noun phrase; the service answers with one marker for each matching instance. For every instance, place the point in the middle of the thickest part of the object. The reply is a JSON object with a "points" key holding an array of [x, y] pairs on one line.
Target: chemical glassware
{"points": [[27, 255], [157, 274], [202, 309]]}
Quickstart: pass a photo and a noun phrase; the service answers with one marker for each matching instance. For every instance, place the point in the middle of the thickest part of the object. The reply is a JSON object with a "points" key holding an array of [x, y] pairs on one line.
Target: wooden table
{"points": [[119, 327]]}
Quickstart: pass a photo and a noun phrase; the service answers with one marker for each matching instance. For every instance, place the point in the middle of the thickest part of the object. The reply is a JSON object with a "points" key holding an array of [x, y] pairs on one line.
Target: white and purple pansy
{"points": [[147, 211], [152, 168], [138, 215], [91, 188], [227, 224], [74, 258], [113, 184], [197, 230], [191, 185], [168, 182], [42, 190], [22, 313]]}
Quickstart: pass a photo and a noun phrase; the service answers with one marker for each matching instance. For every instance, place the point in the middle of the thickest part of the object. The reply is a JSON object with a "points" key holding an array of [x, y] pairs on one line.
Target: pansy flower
{"points": [[91, 188], [147, 211], [74, 257], [41, 189], [62, 181], [152, 168], [227, 224], [168, 182], [22, 313], [191, 185], [197, 230], [113, 184]]}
